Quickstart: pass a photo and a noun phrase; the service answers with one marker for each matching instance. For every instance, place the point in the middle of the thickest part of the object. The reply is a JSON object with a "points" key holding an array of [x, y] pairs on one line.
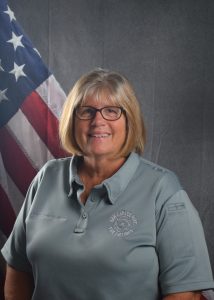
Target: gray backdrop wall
{"points": [[165, 47]]}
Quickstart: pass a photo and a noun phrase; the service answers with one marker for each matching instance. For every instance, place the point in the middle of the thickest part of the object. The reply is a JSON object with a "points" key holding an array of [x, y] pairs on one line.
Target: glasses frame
{"points": [[101, 112]]}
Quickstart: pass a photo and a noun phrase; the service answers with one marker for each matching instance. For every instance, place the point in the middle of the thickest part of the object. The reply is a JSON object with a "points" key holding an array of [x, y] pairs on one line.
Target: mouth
{"points": [[100, 135]]}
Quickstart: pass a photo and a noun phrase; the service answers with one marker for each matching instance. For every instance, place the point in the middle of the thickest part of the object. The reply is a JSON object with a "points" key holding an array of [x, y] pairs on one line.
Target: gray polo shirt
{"points": [[137, 236]]}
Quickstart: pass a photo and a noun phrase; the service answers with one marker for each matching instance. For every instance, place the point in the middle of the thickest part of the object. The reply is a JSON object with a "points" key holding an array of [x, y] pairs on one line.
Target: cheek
{"points": [[81, 133], [122, 131], [124, 126], [79, 127], [78, 132]]}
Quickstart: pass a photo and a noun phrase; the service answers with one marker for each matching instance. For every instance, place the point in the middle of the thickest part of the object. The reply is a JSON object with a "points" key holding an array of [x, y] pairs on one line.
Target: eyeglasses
{"points": [[110, 113]]}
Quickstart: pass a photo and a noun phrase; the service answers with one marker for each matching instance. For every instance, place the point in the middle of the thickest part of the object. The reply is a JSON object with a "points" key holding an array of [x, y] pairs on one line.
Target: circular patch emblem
{"points": [[122, 223]]}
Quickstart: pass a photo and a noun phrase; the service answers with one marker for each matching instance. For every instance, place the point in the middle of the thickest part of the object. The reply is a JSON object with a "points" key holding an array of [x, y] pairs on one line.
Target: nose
{"points": [[98, 118]]}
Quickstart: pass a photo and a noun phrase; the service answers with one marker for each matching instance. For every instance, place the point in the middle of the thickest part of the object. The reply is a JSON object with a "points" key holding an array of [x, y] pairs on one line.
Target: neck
{"points": [[99, 169]]}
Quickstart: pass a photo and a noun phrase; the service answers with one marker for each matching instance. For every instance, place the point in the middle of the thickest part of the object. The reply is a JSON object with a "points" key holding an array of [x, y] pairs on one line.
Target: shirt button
{"points": [[84, 215]]}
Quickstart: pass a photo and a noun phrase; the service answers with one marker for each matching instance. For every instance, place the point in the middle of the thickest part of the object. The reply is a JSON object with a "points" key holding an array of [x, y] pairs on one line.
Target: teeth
{"points": [[100, 135]]}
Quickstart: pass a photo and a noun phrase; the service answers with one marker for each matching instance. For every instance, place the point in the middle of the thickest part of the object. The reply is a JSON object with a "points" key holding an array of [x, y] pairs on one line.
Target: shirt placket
{"points": [[90, 204]]}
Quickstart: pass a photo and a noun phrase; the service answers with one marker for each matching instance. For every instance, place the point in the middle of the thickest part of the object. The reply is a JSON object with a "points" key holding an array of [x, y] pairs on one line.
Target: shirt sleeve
{"points": [[14, 250], [181, 247]]}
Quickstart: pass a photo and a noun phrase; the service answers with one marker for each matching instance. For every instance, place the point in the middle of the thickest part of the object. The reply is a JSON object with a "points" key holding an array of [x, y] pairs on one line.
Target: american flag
{"points": [[30, 103]]}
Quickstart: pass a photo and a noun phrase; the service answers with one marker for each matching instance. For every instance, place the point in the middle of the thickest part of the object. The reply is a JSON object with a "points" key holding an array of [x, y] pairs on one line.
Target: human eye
{"points": [[112, 111], [86, 112]]}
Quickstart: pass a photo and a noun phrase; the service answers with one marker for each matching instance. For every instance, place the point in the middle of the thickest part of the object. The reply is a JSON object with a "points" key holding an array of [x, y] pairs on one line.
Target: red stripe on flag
{"points": [[7, 215], [16, 163], [44, 122]]}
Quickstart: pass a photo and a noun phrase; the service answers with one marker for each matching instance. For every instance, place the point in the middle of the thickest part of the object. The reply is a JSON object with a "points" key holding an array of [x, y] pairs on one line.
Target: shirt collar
{"points": [[73, 176], [114, 185]]}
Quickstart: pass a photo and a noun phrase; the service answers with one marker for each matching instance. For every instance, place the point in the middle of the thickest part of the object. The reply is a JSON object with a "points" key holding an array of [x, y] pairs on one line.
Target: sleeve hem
{"points": [[14, 263], [188, 287]]}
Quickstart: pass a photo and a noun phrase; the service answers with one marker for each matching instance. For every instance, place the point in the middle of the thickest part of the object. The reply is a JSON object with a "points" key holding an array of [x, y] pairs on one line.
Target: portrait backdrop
{"points": [[166, 49]]}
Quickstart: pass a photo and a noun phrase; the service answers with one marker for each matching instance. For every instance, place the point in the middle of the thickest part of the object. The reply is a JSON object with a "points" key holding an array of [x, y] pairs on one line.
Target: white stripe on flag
{"points": [[27, 138], [15, 196], [52, 94]]}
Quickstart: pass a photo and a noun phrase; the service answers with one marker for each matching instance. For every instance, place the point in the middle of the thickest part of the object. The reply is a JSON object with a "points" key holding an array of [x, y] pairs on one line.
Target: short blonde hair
{"points": [[120, 93]]}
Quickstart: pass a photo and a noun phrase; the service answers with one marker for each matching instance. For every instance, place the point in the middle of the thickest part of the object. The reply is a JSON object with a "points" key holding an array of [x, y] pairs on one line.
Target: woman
{"points": [[106, 223]]}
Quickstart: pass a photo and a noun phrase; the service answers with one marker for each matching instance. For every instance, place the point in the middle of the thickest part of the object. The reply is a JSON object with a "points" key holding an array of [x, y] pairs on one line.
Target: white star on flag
{"points": [[10, 13], [18, 71], [2, 95], [16, 41], [1, 68]]}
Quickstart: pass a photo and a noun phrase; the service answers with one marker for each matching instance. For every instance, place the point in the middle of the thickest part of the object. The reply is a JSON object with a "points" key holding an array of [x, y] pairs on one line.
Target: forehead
{"points": [[103, 97]]}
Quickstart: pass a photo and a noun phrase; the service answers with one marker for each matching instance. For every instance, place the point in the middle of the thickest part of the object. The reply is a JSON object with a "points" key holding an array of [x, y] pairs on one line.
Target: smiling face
{"points": [[99, 137]]}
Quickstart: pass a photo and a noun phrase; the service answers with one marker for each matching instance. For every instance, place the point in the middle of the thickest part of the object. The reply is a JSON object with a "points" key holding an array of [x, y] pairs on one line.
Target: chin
{"points": [[100, 153]]}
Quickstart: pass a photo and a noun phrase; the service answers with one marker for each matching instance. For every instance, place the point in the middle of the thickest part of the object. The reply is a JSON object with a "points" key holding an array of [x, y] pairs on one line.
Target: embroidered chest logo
{"points": [[122, 223]]}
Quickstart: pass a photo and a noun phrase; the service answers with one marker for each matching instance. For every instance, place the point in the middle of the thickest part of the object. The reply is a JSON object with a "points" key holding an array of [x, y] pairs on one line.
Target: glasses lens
{"points": [[85, 112], [108, 112], [111, 112]]}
